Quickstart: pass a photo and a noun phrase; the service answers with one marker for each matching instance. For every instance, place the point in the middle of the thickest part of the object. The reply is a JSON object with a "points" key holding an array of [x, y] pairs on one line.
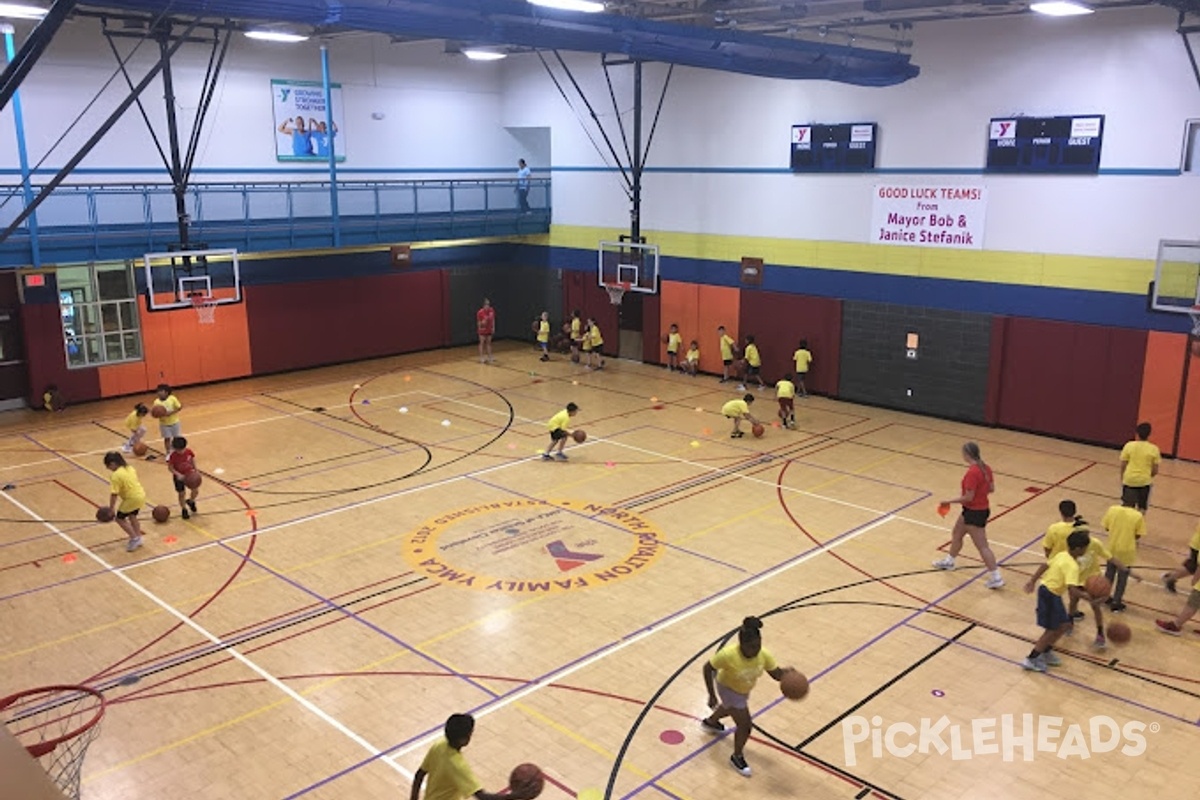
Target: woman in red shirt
{"points": [[977, 484], [485, 324]]}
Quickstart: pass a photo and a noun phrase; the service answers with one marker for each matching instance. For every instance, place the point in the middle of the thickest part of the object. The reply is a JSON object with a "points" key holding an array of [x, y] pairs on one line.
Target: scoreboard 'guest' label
{"points": [[929, 216]]}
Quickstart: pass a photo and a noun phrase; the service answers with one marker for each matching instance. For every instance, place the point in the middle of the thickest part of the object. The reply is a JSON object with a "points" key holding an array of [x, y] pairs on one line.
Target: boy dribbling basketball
{"points": [[133, 424], [559, 433], [168, 423], [785, 393], [1059, 576], [450, 777], [182, 462], [737, 410]]}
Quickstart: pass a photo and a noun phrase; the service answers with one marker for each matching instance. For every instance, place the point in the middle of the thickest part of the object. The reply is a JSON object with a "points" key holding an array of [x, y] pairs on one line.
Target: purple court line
{"points": [[668, 794], [800, 460], [856, 651], [322, 599], [597, 517], [1053, 676], [600, 650]]}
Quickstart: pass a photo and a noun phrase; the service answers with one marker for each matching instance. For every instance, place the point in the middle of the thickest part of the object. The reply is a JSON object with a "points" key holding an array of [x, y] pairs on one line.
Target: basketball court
{"points": [[380, 545]]}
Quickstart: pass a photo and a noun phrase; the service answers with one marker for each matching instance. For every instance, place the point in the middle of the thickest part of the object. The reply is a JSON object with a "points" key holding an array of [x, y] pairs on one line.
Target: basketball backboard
{"points": [[174, 279], [1176, 287], [626, 262]]}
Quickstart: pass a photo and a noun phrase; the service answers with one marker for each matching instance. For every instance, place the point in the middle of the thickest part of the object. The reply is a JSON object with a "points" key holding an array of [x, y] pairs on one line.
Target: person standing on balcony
{"points": [[523, 185], [301, 136]]}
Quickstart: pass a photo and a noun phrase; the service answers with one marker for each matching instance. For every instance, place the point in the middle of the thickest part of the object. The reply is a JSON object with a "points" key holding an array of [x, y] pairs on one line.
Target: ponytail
{"points": [[973, 453]]}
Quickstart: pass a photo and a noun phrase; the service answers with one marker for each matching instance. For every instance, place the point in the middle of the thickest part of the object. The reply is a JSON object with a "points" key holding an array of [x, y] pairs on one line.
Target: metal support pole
{"points": [[163, 34], [19, 66], [23, 155], [635, 212], [330, 133]]}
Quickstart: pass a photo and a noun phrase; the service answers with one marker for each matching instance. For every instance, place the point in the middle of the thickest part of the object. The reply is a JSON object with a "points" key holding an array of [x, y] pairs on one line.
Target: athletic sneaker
{"points": [[737, 435], [1117, 608], [1168, 626], [192, 505], [944, 563], [741, 387], [712, 727], [186, 515], [1077, 615], [1034, 664], [739, 763], [126, 448], [1051, 659], [547, 457], [994, 582], [134, 544], [1100, 643], [561, 456], [1168, 582]]}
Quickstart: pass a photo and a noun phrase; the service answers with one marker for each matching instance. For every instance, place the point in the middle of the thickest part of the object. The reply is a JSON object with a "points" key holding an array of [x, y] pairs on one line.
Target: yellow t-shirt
{"points": [[1092, 562], [450, 777], [1125, 526], [674, 341], [1195, 542], [124, 483], [560, 421], [736, 672], [693, 355], [736, 408], [1139, 457], [575, 323], [1055, 539], [727, 348], [133, 421], [172, 405], [802, 358], [595, 336], [785, 389], [48, 400], [752, 357], [543, 331], [1061, 572]]}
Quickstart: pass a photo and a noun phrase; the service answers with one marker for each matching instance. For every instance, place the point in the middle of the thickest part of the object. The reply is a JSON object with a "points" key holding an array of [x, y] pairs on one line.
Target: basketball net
{"points": [[616, 292], [206, 308], [56, 724]]}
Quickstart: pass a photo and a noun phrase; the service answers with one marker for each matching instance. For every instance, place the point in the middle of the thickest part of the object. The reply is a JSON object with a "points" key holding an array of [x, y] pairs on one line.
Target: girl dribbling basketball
{"points": [[977, 484]]}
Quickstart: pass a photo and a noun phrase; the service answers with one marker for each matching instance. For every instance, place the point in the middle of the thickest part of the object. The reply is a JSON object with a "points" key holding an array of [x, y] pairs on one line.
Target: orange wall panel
{"points": [[1162, 380], [158, 346], [716, 305], [122, 379], [1189, 429], [678, 303]]}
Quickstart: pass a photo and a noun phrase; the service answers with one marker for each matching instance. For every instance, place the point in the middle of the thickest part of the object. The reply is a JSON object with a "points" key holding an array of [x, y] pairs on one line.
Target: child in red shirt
{"points": [[182, 462]]}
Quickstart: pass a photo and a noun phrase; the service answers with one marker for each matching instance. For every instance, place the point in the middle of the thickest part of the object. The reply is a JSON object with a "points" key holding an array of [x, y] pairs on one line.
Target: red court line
{"points": [[82, 497]]}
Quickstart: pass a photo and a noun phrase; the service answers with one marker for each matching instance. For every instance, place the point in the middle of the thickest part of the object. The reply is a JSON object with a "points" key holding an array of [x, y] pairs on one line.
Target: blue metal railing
{"points": [[80, 223]]}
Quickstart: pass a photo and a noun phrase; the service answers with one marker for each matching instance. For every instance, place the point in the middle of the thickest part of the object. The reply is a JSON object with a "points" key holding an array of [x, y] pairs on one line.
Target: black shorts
{"points": [[1191, 564], [127, 514], [752, 370], [1051, 611], [557, 434], [179, 485], [727, 361], [976, 517], [1138, 495]]}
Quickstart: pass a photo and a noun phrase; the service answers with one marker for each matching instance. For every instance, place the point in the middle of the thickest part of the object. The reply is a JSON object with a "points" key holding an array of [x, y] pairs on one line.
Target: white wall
{"points": [[1128, 65], [440, 111]]}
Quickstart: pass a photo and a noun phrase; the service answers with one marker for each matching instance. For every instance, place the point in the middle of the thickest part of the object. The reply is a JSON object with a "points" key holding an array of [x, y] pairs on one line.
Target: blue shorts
{"points": [[1051, 611]]}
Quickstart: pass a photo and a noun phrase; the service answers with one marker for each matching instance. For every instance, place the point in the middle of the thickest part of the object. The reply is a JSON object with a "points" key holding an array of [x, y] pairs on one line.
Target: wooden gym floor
{"points": [[379, 545]]}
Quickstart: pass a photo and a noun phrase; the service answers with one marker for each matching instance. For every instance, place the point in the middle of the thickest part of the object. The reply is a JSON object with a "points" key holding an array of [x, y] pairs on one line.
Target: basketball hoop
{"points": [[56, 724], [206, 308], [616, 291]]}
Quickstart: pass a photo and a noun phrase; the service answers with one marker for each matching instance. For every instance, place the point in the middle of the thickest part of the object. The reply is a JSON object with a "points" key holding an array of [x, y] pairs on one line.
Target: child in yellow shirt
{"points": [[543, 335], [1189, 565], [673, 341], [737, 410], [727, 345], [753, 364], [133, 424], [1175, 626], [803, 358], [1059, 576], [1055, 540], [785, 393], [1125, 525], [691, 364]]}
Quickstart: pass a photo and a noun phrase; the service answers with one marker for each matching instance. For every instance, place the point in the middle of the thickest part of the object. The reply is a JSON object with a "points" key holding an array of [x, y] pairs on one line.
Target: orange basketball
{"points": [[140, 449], [793, 685], [104, 514], [1119, 633], [527, 779], [1098, 587], [758, 431], [579, 436], [193, 479], [161, 513], [158, 412], [666, 338]]}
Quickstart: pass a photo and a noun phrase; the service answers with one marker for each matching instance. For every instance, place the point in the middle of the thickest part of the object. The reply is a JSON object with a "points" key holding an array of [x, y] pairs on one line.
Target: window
{"points": [[99, 314]]}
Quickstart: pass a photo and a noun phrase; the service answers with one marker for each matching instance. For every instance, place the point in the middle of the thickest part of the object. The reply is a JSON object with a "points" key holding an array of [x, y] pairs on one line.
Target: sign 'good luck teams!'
{"points": [[301, 133], [929, 216]]}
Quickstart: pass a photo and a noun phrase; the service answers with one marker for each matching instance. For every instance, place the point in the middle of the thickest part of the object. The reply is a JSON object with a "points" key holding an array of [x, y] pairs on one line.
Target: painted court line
{"points": [[186, 620]]}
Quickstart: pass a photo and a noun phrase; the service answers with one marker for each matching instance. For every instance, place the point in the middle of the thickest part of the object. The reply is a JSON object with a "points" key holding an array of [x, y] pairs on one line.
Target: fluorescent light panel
{"points": [[476, 54], [21, 11], [586, 6], [1060, 8], [276, 36]]}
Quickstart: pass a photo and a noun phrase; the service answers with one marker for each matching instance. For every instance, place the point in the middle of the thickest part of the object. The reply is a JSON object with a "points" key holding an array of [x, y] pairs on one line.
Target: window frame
{"points": [[84, 324]]}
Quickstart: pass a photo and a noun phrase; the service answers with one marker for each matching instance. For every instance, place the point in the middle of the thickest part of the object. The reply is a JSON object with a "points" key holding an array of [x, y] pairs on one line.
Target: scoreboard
{"points": [[1069, 145], [848, 147]]}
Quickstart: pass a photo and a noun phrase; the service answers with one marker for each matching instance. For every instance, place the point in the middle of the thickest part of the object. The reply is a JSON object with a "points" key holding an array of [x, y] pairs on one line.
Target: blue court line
{"points": [[716, 596]]}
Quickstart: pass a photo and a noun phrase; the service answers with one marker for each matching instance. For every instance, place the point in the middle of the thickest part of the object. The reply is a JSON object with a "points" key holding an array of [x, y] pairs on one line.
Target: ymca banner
{"points": [[929, 216], [301, 133]]}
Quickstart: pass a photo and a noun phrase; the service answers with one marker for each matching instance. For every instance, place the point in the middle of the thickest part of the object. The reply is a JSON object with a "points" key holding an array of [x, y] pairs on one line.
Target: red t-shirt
{"points": [[182, 461], [485, 321], [979, 480]]}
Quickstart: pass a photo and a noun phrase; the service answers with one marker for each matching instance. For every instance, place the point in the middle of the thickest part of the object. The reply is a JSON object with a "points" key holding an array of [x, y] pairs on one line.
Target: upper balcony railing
{"points": [[80, 223]]}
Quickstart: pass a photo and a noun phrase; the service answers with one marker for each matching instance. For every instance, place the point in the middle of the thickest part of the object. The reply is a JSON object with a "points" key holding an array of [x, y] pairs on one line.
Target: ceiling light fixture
{"points": [[276, 36], [483, 55], [1061, 8], [586, 6], [21, 11]]}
